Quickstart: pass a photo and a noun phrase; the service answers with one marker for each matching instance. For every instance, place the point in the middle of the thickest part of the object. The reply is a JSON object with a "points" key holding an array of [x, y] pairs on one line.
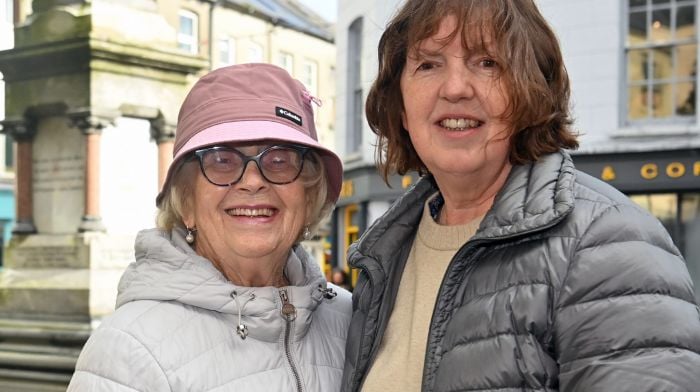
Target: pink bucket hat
{"points": [[249, 102]]}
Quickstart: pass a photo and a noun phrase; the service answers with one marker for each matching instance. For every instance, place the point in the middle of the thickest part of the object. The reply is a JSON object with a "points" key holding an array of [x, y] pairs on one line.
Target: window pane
{"points": [[637, 28], [255, 53], [663, 62], [309, 76], [286, 61], [186, 25], [637, 103], [663, 206], [686, 61], [685, 99], [661, 59], [685, 22], [662, 100], [9, 152], [357, 120], [661, 25], [226, 52], [637, 65]]}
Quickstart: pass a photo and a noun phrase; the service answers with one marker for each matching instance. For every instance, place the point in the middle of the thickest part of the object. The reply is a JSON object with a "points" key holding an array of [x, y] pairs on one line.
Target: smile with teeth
{"points": [[251, 212], [459, 123]]}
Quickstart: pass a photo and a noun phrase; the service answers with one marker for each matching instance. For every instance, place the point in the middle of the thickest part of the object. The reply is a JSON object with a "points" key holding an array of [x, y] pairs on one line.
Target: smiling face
{"points": [[251, 224], [454, 101]]}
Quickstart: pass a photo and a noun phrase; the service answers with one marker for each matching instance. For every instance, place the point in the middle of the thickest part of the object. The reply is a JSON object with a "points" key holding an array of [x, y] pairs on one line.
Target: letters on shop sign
{"points": [[651, 171], [347, 189]]}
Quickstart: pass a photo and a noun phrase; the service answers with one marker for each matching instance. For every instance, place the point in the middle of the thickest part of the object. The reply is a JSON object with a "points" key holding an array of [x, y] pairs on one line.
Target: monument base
{"points": [[54, 289]]}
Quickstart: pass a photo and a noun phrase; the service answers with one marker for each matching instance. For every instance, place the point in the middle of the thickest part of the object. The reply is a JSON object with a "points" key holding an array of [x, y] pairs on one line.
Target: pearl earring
{"points": [[307, 233], [190, 235]]}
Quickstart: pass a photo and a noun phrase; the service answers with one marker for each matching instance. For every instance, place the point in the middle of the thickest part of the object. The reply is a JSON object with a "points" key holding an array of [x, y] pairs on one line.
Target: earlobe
{"points": [[403, 120], [188, 220]]}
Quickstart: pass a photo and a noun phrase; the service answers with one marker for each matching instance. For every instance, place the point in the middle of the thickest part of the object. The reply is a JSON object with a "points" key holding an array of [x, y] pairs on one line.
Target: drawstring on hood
{"points": [[241, 329], [168, 269]]}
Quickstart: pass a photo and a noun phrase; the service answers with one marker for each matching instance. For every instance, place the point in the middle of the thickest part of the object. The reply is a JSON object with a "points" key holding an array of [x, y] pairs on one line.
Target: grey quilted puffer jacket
{"points": [[175, 328], [566, 286]]}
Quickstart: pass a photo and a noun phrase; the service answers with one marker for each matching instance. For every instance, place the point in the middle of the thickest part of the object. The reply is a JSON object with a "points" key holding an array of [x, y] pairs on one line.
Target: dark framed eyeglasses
{"points": [[224, 166]]}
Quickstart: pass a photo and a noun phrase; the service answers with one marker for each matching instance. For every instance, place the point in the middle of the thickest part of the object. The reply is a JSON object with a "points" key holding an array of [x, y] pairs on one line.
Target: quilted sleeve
{"points": [[626, 317], [114, 361]]}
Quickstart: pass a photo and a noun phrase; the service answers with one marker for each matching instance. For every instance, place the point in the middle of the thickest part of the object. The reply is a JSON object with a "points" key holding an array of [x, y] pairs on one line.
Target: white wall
{"points": [[591, 37], [375, 16]]}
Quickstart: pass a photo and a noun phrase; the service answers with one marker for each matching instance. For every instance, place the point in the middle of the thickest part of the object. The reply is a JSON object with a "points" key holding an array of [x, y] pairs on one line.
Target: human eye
{"points": [[221, 160], [425, 66], [423, 61], [280, 159], [486, 65]]}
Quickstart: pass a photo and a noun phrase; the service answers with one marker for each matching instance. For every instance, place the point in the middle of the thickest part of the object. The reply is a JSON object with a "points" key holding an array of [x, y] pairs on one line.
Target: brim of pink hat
{"points": [[246, 131]]}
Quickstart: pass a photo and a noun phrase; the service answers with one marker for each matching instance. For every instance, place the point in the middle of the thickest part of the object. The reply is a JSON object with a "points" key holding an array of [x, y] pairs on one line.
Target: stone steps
{"points": [[39, 355]]}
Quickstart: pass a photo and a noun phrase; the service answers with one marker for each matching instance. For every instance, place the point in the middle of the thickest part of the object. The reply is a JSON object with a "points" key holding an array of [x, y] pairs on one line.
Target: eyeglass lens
{"points": [[278, 164]]}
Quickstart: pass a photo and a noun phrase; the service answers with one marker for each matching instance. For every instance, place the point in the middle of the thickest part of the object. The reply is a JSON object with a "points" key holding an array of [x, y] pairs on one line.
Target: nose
{"points": [[252, 179], [457, 83]]}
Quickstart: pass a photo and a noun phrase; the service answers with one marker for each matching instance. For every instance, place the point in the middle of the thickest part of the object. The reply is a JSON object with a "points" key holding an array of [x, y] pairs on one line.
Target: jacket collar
{"points": [[168, 269], [535, 196]]}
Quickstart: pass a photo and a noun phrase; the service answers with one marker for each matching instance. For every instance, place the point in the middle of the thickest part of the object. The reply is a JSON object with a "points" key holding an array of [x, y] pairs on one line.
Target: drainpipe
{"points": [[214, 4]]}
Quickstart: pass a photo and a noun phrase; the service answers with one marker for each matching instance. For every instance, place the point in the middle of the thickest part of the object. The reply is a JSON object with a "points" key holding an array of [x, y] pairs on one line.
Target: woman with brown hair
{"points": [[504, 268]]}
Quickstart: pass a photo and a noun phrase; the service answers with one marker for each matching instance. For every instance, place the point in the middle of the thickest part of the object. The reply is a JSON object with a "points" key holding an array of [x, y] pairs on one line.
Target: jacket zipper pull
{"points": [[289, 312]]}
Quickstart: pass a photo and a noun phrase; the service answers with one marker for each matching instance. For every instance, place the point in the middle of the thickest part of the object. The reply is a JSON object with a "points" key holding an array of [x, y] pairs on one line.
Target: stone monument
{"points": [[91, 102]]}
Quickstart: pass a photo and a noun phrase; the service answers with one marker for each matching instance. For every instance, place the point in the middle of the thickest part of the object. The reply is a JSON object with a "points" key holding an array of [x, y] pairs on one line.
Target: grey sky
{"points": [[325, 8]]}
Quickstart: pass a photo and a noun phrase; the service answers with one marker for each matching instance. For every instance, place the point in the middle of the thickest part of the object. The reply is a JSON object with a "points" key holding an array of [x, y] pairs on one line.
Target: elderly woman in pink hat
{"points": [[221, 296]]}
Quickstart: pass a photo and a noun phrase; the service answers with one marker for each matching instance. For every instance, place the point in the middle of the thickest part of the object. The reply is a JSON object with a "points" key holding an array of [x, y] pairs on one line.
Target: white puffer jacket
{"points": [[179, 325]]}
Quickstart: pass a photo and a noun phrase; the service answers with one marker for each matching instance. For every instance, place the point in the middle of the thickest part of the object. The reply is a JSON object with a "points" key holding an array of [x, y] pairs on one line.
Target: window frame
{"points": [[188, 42], [649, 82], [354, 122], [230, 53], [286, 61], [309, 75], [256, 53]]}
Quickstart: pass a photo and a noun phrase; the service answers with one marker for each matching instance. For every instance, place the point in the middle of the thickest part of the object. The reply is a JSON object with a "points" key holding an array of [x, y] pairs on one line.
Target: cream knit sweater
{"points": [[399, 363]]}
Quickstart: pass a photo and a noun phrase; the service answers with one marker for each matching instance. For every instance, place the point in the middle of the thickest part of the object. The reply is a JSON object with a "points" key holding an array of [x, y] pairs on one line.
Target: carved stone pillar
{"points": [[164, 135], [91, 127], [23, 131]]}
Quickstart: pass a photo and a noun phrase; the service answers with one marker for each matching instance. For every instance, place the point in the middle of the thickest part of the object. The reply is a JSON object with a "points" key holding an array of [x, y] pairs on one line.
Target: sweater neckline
{"points": [[443, 237]]}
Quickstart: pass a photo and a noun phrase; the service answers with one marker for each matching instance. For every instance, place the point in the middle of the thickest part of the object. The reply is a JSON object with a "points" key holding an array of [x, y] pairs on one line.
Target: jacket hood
{"points": [[168, 269]]}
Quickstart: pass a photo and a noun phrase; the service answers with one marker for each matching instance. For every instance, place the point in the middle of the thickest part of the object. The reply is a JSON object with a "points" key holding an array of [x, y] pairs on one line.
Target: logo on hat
{"points": [[289, 115]]}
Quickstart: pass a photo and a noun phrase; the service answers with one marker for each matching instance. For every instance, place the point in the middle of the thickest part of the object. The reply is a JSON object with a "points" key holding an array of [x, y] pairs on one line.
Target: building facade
{"points": [[92, 92], [7, 175], [633, 71]]}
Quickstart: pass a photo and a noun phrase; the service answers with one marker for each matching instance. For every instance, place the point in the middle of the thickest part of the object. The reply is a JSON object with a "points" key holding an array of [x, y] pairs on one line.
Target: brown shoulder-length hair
{"points": [[532, 72]]}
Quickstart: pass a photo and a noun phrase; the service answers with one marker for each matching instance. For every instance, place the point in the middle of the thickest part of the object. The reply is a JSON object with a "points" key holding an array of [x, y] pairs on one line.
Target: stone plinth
{"points": [[53, 289], [63, 277]]}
